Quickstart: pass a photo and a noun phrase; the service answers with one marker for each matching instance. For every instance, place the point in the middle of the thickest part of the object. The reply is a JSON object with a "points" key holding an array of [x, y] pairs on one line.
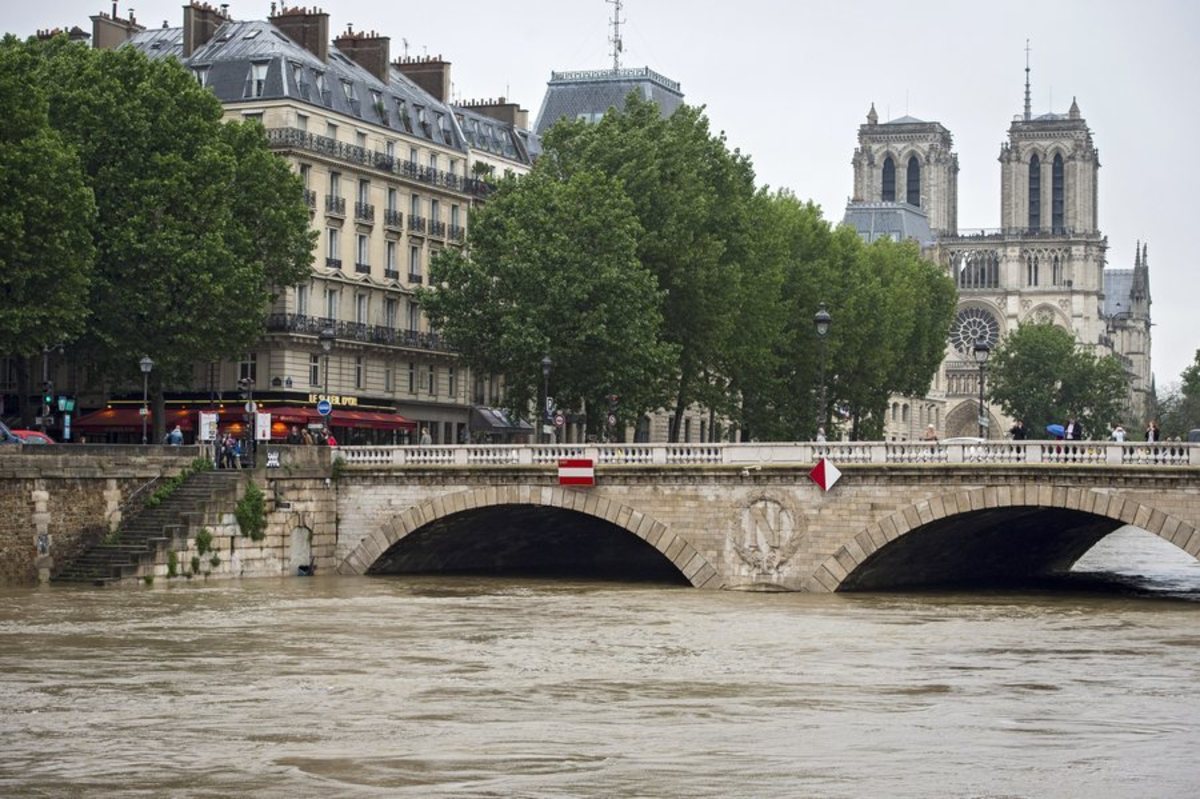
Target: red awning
{"points": [[372, 420], [129, 420], [117, 420]]}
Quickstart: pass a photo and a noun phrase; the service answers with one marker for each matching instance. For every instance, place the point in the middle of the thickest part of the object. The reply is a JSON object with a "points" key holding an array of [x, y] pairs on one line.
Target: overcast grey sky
{"points": [[789, 83]]}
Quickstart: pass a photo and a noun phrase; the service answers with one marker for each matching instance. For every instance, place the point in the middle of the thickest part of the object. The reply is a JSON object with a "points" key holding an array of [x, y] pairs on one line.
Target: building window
{"points": [[364, 252], [414, 316], [1057, 194], [415, 206], [360, 309], [360, 139], [433, 161], [414, 263], [1056, 270], [335, 184], [889, 180], [1031, 269], [201, 74], [435, 211], [306, 174], [302, 121], [359, 369], [248, 367], [314, 370], [334, 245], [256, 81], [391, 199], [454, 218], [432, 377], [914, 182], [388, 383], [331, 130], [390, 261], [1035, 195], [348, 91], [451, 382], [302, 300], [389, 314], [331, 303], [389, 148], [364, 191]]}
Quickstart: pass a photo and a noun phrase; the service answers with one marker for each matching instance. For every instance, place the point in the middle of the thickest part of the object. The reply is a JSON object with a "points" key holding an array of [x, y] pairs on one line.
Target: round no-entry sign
{"points": [[559, 420], [324, 407]]}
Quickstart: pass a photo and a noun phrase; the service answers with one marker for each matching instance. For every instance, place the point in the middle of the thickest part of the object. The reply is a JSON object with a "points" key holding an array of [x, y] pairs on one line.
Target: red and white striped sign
{"points": [[825, 474], [576, 472]]}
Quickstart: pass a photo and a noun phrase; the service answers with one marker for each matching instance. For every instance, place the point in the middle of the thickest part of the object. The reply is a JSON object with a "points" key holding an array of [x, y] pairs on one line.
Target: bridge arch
{"points": [[690, 563], [1094, 514]]}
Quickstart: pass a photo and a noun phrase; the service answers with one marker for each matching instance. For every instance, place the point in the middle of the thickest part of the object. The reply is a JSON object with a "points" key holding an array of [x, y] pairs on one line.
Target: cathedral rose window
{"points": [[971, 325]]}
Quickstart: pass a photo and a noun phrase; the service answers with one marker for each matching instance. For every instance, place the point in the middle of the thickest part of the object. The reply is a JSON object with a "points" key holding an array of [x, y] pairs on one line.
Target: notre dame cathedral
{"points": [[1046, 262]]}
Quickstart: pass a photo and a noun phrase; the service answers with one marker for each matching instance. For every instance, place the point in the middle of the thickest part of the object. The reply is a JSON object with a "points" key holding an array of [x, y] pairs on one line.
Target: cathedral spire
{"points": [[1028, 106], [872, 117], [1137, 254]]}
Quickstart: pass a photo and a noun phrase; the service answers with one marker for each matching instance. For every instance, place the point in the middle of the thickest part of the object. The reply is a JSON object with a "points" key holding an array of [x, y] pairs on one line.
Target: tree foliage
{"points": [[552, 270], [198, 223], [46, 218], [1179, 410], [1040, 375]]}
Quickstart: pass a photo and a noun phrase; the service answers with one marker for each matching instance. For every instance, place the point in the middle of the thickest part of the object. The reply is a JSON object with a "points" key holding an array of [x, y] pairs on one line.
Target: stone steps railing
{"points": [[1065, 453]]}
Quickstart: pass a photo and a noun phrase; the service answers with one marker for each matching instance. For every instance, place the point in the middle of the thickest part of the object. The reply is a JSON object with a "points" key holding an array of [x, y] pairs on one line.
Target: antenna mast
{"points": [[1028, 109], [615, 40]]}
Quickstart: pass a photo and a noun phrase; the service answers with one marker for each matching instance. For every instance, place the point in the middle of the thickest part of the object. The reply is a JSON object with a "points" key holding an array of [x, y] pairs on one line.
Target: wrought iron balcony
{"points": [[416, 224], [458, 233], [391, 274], [437, 228], [310, 197], [354, 331], [393, 218], [335, 205], [415, 277], [364, 212], [333, 263], [362, 269], [295, 138]]}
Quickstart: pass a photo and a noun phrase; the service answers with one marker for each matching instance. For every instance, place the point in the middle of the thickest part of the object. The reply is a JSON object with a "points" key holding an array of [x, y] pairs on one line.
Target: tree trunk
{"points": [[158, 402]]}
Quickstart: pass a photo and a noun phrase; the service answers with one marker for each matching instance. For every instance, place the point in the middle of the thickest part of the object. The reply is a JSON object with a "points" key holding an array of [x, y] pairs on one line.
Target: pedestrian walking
{"points": [[426, 439]]}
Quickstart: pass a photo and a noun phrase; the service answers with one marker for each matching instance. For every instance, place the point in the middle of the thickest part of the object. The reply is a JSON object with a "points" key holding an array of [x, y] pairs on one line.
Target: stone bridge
{"points": [[747, 516]]}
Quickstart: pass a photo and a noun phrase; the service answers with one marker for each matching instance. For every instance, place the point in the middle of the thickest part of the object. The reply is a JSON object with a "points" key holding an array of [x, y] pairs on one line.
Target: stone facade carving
{"points": [[769, 537]]}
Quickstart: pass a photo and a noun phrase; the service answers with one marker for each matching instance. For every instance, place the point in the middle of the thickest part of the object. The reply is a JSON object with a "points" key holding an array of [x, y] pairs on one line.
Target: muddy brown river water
{"points": [[464, 687]]}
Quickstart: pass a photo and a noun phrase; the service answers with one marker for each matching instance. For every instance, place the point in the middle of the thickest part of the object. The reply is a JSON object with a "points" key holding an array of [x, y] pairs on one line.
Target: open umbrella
{"points": [[1056, 430]]}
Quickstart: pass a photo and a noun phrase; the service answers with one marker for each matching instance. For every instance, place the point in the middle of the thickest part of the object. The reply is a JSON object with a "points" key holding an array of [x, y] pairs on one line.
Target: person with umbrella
{"points": [[1073, 431], [1057, 431]]}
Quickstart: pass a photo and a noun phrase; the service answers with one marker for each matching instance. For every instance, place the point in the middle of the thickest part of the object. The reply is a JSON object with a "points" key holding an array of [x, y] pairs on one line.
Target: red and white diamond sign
{"points": [[576, 472], [824, 474]]}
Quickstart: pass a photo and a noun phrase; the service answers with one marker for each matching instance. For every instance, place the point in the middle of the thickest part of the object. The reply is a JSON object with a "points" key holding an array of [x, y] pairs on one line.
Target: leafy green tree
{"points": [[199, 223], [691, 196], [46, 219], [552, 269], [1040, 375], [1179, 410]]}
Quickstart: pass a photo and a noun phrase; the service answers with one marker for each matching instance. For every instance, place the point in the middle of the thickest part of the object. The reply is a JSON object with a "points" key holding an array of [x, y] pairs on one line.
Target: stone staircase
{"points": [[142, 537]]}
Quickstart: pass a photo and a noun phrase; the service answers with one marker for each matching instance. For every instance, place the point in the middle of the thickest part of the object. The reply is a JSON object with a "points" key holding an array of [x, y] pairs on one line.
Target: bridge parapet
{"points": [[1060, 453]]}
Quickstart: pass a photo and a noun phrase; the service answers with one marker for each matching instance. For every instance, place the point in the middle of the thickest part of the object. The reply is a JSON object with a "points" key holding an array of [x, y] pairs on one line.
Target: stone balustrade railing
{"points": [[1064, 453]]}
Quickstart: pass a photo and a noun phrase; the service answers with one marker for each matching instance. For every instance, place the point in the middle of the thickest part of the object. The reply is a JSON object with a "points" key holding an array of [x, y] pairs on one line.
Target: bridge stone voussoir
{"points": [[1129, 512], [606, 510], [1019, 495], [1058, 497], [1074, 498], [691, 561], [1004, 496], [900, 523], [673, 549], [1155, 523], [645, 528], [370, 549], [924, 512], [549, 497], [864, 542], [634, 521], [623, 516], [991, 497], [707, 577], [937, 508], [1045, 496], [911, 517], [1142, 517], [976, 499], [439, 508], [890, 531], [578, 500], [491, 496], [1192, 545], [1179, 538], [590, 505], [1087, 501], [878, 539], [963, 500], [657, 531], [353, 564], [1100, 503], [822, 582], [837, 569], [1116, 506], [1169, 529], [855, 551]]}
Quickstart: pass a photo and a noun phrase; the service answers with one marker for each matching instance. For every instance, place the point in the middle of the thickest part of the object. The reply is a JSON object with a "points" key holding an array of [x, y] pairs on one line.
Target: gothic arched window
{"points": [[889, 180], [913, 193], [1035, 193], [1057, 195]]}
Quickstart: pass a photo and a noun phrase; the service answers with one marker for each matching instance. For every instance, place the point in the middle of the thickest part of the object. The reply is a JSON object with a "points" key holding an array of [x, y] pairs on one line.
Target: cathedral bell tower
{"points": [[908, 160]]}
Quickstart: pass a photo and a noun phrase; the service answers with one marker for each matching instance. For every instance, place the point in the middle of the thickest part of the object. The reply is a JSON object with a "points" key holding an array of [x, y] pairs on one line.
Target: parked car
{"points": [[32, 437], [6, 436]]}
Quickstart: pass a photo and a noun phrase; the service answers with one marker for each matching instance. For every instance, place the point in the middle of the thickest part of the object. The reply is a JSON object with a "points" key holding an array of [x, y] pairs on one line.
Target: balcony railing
{"points": [[391, 274], [392, 218], [362, 269], [458, 233], [332, 148], [416, 224], [364, 212], [310, 197], [335, 205], [1016, 233], [437, 228], [415, 277], [333, 263], [354, 331]]}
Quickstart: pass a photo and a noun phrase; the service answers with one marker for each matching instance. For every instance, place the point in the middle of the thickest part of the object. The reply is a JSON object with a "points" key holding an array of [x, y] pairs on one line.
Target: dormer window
{"points": [[201, 74], [348, 90], [256, 80]]}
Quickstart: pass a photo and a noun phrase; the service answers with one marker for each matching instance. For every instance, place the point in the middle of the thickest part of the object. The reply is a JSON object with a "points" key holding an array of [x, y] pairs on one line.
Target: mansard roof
{"points": [[590, 94], [889, 220]]}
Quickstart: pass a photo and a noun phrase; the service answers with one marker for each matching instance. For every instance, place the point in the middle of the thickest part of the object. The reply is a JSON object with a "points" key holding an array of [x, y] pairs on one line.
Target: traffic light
{"points": [[245, 388], [47, 397]]}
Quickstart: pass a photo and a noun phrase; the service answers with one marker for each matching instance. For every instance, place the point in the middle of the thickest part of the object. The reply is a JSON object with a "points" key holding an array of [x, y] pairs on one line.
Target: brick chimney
{"points": [[431, 73], [200, 23], [502, 111], [369, 50], [308, 28], [111, 32]]}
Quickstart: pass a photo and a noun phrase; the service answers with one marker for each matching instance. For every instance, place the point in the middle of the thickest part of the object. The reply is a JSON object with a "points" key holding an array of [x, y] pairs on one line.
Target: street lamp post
{"points": [[821, 321], [146, 365], [982, 351], [327, 337], [545, 409]]}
